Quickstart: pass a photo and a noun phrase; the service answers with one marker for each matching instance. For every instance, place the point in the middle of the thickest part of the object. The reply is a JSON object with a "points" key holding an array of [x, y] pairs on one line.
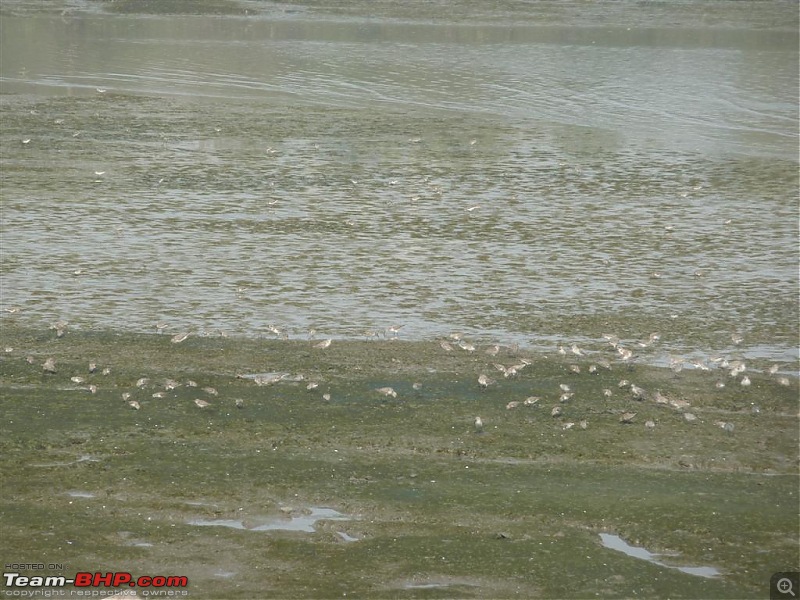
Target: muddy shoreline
{"points": [[427, 505]]}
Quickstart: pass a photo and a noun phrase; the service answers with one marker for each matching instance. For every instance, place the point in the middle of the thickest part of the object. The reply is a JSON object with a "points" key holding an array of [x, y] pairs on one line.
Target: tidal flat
{"points": [[387, 497]]}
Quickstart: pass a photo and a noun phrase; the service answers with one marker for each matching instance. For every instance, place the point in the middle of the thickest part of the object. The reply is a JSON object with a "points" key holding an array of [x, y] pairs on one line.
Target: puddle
{"points": [[303, 523], [80, 494], [615, 542], [437, 583], [81, 459]]}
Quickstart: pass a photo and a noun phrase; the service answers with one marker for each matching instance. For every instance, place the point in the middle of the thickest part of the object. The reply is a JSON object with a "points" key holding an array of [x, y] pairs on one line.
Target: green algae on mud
{"points": [[436, 508]]}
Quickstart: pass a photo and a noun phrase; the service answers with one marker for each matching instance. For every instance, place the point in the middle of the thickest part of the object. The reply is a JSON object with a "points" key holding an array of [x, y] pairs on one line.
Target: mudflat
{"points": [[274, 468]]}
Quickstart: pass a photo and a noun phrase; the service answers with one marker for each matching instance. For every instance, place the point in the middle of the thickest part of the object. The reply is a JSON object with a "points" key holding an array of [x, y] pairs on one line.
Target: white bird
{"points": [[464, 345], [323, 344], [484, 381], [478, 425], [394, 329], [387, 391], [179, 337]]}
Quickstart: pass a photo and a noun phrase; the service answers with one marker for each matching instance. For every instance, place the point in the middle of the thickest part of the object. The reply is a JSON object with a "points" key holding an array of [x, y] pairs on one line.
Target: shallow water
{"points": [[305, 523], [527, 173], [617, 543]]}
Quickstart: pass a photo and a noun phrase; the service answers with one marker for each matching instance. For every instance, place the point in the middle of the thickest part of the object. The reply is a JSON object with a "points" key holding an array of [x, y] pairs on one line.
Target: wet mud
{"points": [[423, 503]]}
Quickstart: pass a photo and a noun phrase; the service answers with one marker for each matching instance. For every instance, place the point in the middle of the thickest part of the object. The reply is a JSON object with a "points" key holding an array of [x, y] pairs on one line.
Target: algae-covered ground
{"points": [[431, 505]]}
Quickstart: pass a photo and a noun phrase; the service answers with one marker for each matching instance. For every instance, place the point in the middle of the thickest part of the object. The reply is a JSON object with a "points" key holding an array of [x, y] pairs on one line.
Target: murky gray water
{"points": [[517, 171], [304, 523], [617, 543]]}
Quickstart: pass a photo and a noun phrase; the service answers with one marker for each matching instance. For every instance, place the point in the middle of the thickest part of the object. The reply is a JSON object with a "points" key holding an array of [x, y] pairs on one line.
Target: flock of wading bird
{"points": [[733, 370]]}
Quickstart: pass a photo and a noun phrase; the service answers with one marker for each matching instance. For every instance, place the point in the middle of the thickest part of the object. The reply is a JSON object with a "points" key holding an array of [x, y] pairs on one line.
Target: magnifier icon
{"points": [[784, 586]]}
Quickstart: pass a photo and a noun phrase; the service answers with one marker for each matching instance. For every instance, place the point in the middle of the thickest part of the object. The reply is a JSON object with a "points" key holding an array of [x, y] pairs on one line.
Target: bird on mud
{"points": [[637, 392], [627, 417], [179, 337], [478, 425], [387, 391], [49, 366], [484, 381]]}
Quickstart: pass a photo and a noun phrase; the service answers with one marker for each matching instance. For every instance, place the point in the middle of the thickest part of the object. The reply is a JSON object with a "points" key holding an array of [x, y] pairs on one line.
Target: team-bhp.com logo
{"points": [[95, 580]]}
